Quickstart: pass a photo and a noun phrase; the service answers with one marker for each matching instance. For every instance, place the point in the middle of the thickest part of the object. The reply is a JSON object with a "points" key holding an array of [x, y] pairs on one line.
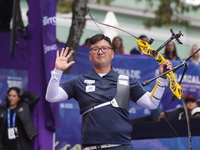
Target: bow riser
{"points": [[174, 86]]}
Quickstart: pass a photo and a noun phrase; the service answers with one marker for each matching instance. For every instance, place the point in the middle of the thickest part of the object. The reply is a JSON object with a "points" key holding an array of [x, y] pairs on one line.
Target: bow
{"points": [[175, 88], [146, 49]]}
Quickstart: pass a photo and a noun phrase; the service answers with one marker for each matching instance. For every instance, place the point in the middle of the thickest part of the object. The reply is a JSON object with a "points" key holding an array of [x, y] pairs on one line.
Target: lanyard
{"points": [[13, 119]]}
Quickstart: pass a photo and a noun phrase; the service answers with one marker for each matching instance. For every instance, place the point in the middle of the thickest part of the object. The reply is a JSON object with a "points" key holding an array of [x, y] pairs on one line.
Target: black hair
{"points": [[87, 42], [143, 36], [166, 52], [19, 93], [121, 49], [99, 37]]}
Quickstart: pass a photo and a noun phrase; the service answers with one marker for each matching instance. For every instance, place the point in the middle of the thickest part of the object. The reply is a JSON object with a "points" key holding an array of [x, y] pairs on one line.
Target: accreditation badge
{"points": [[11, 133], [90, 88]]}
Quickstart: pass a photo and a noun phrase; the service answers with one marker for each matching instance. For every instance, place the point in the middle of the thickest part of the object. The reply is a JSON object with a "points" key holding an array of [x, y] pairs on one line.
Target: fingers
{"points": [[63, 52], [168, 64], [70, 54], [164, 67], [62, 58], [71, 63], [57, 53]]}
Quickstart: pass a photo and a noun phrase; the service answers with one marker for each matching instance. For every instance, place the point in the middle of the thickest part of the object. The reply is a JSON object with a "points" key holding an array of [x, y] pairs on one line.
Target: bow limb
{"points": [[110, 25]]}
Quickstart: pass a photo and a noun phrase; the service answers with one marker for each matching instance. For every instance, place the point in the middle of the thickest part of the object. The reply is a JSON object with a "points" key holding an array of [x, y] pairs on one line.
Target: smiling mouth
{"points": [[100, 57]]}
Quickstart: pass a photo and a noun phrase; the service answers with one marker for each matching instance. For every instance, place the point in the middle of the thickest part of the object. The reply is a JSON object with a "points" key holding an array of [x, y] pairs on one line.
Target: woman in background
{"points": [[16, 127], [118, 45], [170, 51], [196, 58]]}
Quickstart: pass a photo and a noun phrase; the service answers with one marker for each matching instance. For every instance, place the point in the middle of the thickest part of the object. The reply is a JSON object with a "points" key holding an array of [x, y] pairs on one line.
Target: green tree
{"points": [[79, 10], [168, 12]]}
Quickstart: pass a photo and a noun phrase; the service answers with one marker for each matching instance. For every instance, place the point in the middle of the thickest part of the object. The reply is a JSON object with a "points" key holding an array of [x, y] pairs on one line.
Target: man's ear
{"points": [[113, 54]]}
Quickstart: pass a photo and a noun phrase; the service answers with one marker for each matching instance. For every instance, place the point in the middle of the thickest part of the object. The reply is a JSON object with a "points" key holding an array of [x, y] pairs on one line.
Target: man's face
{"points": [[100, 58], [191, 105]]}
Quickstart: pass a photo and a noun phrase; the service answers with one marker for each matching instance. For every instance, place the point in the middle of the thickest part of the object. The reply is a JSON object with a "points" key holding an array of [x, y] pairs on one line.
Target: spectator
{"points": [[196, 112], [171, 52], [179, 113], [161, 116], [191, 103], [87, 43], [117, 44], [103, 96], [16, 127], [157, 115], [136, 50], [196, 58]]}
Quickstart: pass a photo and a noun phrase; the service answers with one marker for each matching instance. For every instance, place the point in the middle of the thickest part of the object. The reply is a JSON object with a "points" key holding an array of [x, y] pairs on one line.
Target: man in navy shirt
{"points": [[103, 96]]}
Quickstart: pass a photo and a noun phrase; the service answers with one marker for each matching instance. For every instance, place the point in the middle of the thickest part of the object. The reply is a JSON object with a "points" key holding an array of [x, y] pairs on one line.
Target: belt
{"points": [[101, 146]]}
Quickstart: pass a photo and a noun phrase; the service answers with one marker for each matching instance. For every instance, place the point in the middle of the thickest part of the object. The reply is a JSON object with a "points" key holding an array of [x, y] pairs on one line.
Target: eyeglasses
{"points": [[96, 49]]}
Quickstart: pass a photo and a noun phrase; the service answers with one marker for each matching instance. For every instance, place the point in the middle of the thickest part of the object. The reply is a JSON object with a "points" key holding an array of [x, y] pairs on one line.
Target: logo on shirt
{"points": [[89, 82], [20, 109], [90, 87]]}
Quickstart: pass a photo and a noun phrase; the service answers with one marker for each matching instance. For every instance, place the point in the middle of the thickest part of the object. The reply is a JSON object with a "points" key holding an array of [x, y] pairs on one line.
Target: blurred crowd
{"points": [[193, 110], [170, 50], [170, 53]]}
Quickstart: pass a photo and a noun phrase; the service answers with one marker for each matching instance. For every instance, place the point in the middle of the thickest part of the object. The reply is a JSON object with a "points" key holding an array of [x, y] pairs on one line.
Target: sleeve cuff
{"points": [[56, 71], [162, 81]]}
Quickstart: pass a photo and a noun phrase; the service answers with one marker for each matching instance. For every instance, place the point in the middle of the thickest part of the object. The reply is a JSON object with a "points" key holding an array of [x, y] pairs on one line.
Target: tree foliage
{"points": [[64, 6], [168, 12], [106, 2]]}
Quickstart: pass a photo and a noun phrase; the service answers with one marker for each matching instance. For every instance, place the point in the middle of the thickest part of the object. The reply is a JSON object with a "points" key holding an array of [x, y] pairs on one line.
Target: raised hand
{"points": [[61, 62]]}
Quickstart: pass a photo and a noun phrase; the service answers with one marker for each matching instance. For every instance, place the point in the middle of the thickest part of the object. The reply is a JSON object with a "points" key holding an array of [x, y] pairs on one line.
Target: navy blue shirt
{"points": [[108, 124]]}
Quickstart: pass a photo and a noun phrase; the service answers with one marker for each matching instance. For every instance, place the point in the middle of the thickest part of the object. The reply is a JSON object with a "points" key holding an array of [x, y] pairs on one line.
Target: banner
{"points": [[12, 78], [141, 68], [68, 134], [48, 16], [179, 143]]}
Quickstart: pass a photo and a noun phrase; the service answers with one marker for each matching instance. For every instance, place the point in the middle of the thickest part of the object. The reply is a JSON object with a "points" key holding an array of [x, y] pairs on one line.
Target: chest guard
{"points": [[122, 98]]}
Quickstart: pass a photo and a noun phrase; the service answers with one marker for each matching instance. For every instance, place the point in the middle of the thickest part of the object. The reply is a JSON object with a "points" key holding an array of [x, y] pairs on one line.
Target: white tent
{"points": [[110, 19]]}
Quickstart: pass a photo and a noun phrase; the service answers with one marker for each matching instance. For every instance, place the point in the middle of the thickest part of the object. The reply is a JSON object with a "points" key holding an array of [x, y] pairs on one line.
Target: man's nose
{"points": [[100, 51]]}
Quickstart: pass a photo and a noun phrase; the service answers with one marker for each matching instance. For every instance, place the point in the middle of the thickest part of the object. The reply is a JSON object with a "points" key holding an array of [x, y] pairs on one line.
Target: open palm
{"points": [[62, 59]]}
